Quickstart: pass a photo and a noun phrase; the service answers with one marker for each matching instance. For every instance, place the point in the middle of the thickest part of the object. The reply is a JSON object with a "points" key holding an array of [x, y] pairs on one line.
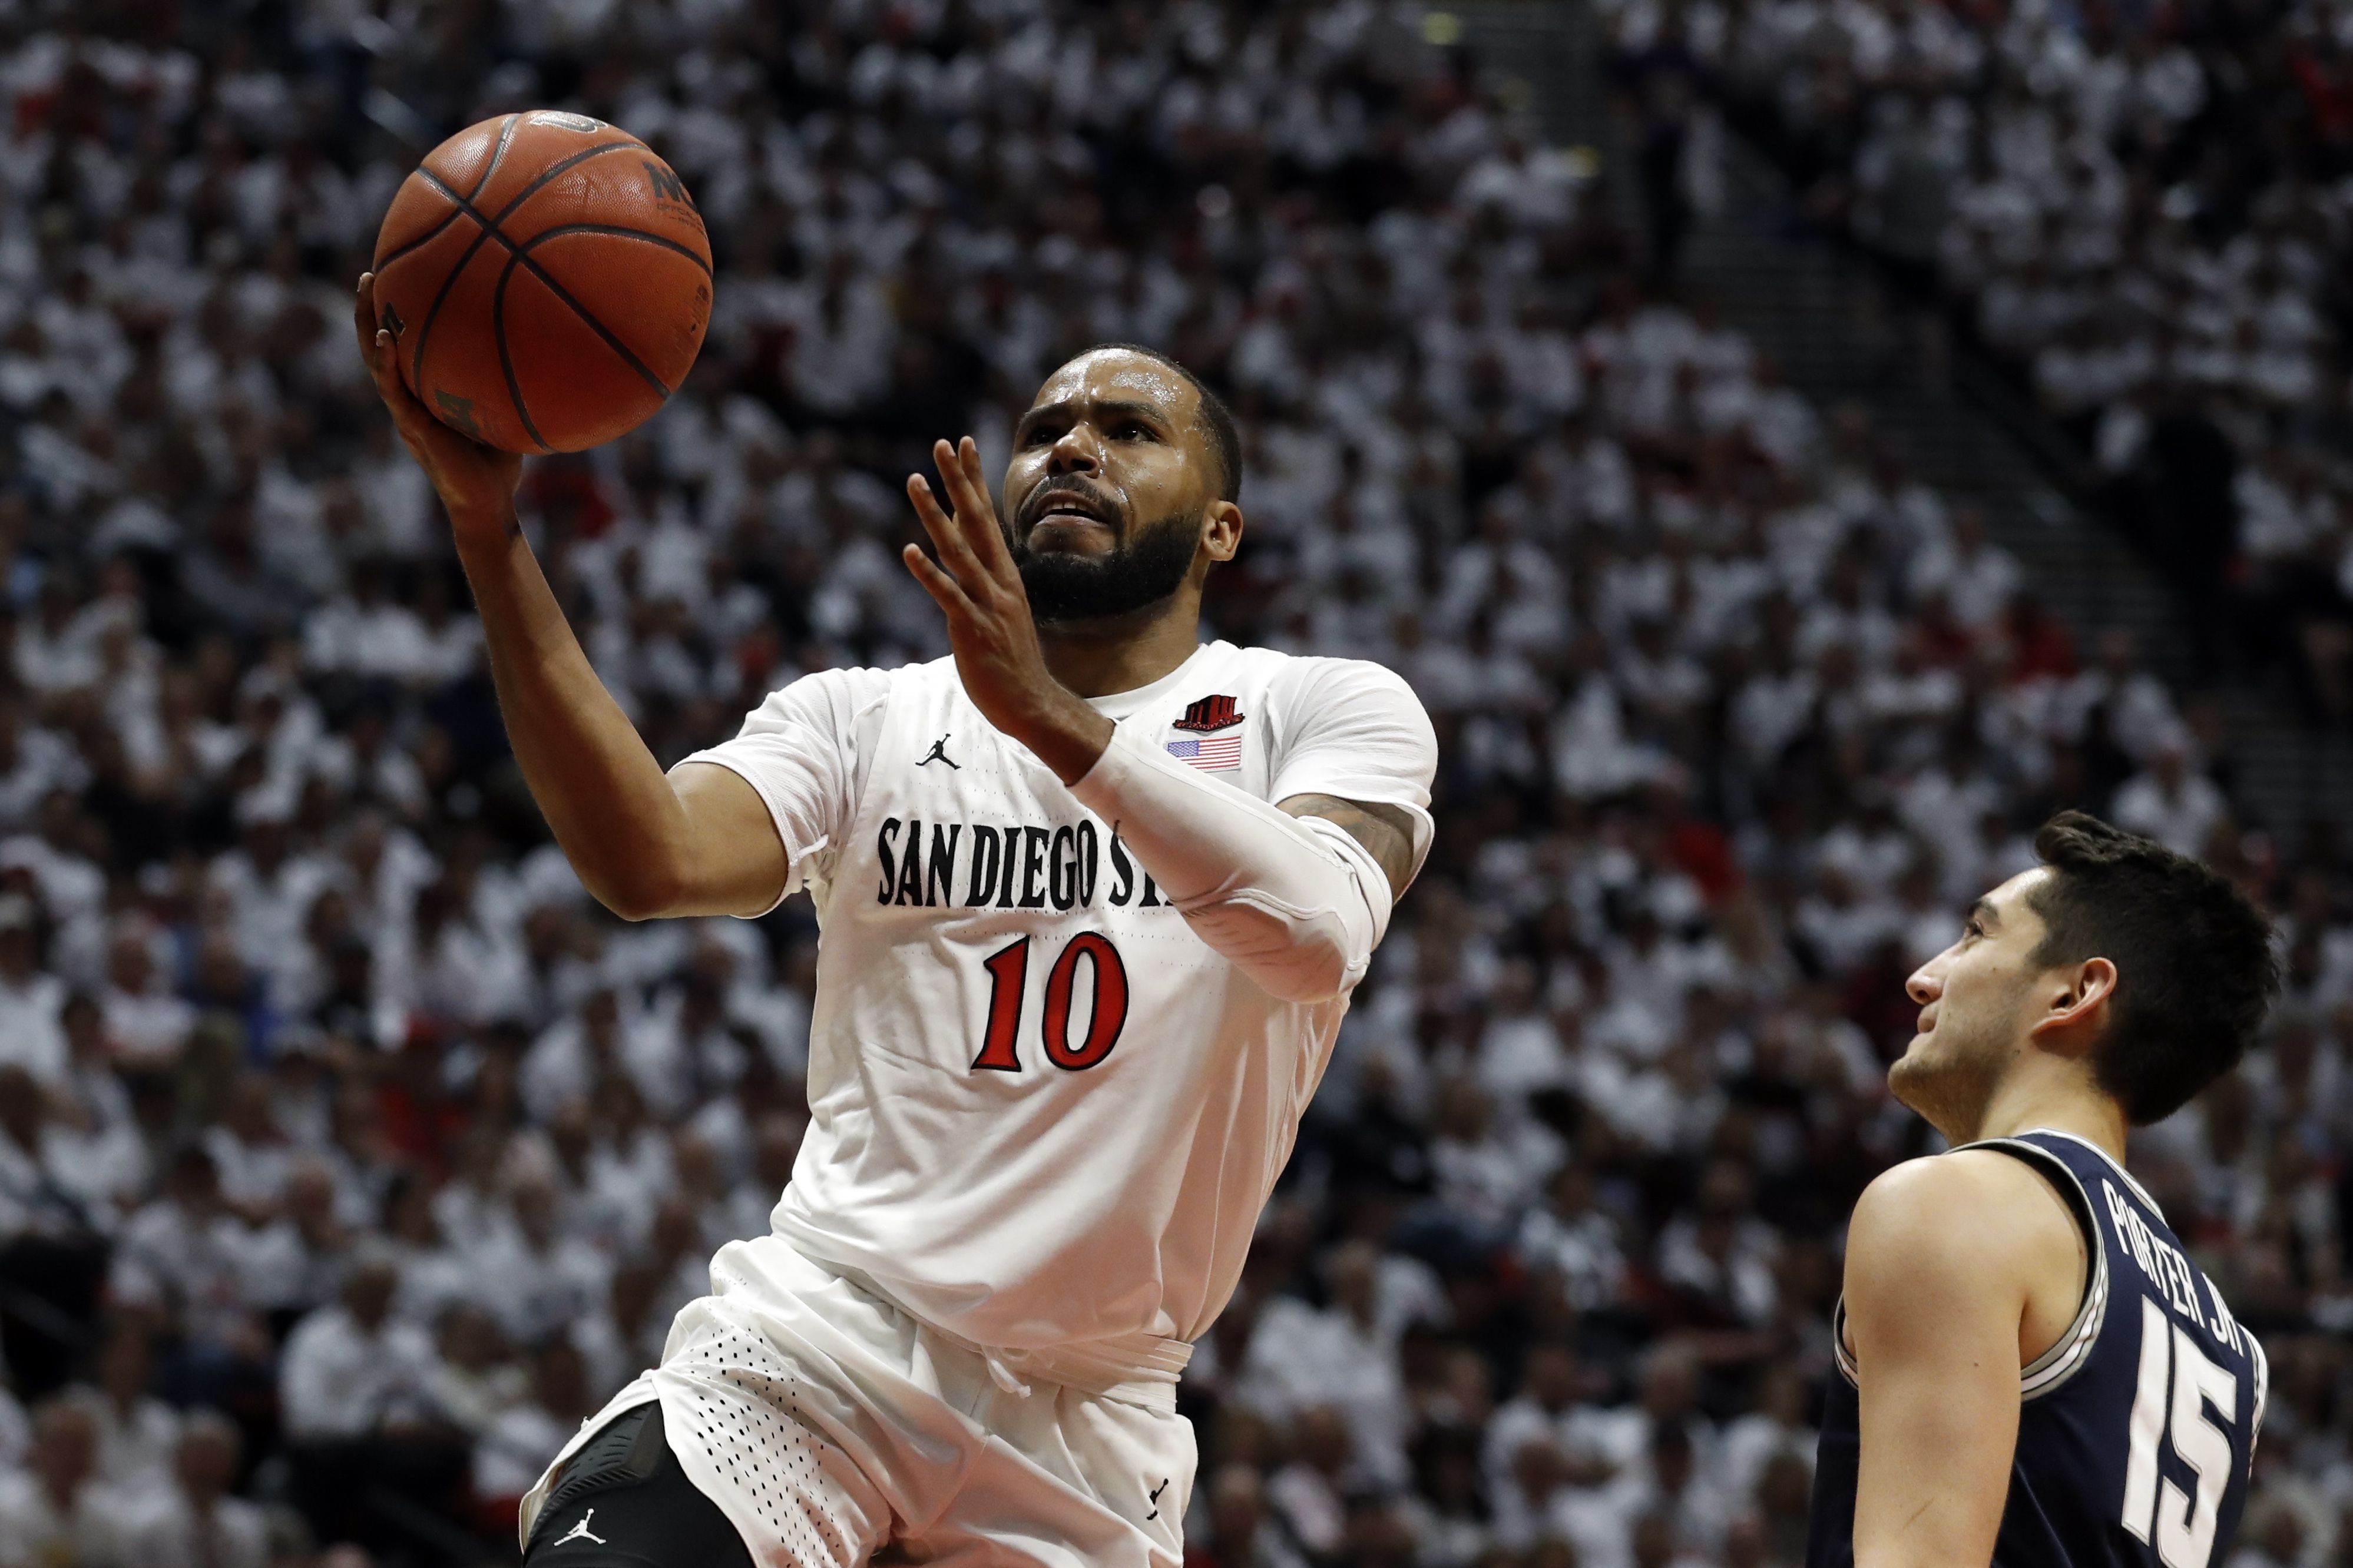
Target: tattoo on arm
{"points": [[1386, 831]]}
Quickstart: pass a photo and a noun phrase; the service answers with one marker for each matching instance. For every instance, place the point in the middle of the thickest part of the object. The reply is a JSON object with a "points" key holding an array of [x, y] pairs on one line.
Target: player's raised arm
{"points": [[1944, 1258], [645, 843]]}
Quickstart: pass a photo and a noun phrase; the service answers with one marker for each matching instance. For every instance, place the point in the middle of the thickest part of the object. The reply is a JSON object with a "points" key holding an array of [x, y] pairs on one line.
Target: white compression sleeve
{"points": [[1294, 902]]}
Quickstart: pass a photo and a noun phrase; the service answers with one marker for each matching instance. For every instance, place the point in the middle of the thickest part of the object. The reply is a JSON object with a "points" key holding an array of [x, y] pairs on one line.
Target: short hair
{"points": [[2195, 967], [1224, 438]]}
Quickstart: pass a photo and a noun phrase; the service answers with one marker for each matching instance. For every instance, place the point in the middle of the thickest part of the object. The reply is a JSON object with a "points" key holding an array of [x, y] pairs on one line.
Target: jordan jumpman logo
{"points": [[939, 753], [580, 1531]]}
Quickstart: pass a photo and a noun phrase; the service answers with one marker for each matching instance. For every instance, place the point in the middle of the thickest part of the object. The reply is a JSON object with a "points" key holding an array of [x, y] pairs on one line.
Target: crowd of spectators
{"points": [[2146, 210], [349, 1155]]}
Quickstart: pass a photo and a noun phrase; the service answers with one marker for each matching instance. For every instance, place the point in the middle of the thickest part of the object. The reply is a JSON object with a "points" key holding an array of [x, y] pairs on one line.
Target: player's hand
{"points": [[476, 483], [989, 625]]}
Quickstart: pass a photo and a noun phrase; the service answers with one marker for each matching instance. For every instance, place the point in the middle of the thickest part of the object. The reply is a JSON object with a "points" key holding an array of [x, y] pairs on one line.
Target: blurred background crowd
{"points": [[350, 1156], [2144, 210]]}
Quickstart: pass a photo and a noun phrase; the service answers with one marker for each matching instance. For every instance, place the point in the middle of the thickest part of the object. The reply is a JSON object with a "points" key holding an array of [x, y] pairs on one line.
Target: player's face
{"points": [[1108, 488], [1976, 1005]]}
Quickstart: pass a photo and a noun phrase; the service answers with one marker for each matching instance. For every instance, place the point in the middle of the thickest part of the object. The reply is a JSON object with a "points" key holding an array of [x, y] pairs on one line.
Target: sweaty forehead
{"points": [[1116, 375]]}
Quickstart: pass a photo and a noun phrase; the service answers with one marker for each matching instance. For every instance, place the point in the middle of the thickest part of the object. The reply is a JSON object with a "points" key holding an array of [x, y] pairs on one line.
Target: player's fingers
{"points": [[956, 555], [976, 519], [363, 317], [991, 547], [944, 589], [408, 415]]}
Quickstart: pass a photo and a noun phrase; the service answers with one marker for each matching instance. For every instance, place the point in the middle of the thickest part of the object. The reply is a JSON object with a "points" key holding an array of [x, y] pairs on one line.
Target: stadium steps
{"points": [[1824, 318]]}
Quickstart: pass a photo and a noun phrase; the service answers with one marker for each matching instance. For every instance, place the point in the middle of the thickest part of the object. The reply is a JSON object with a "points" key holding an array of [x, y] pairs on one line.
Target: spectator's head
{"points": [[1320, 1438], [1551, 1374], [205, 1463], [1121, 489], [1657, 1541], [1671, 1457], [1352, 1275], [1783, 1489], [193, 1180], [1537, 1470], [22, 1106], [2117, 958], [1376, 1535], [19, 938], [368, 1290], [310, 1198], [1236, 1509], [1446, 1472], [559, 1381], [126, 1362], [468, 1338], [1746, 1544], [65, 1446], [776, 1145], [1670, 1382]]}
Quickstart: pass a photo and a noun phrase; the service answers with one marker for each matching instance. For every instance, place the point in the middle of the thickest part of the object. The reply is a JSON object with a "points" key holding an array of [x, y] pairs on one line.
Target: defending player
{"points": [[2032, 1372], [1094, 896]]}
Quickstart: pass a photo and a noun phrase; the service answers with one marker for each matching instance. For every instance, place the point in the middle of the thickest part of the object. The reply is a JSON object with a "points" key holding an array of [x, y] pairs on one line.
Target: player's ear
{"points": [[2077, 1003], [1221, 530]]}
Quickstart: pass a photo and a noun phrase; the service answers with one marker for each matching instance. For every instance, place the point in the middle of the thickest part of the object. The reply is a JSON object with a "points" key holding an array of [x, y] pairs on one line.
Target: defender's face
{"points": [[1112, 446], [1975, 1006]]}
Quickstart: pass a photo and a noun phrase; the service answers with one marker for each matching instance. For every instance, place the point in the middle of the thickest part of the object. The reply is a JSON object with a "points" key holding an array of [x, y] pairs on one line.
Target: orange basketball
{"points": [[547, 281]]}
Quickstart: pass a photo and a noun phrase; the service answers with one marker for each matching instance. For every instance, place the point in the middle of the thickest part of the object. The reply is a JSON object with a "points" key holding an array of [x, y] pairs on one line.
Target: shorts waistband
{"points": [[1134, 1369]]}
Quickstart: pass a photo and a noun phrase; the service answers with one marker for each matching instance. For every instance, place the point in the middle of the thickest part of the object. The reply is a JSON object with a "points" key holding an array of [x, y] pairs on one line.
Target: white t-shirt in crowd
{"points": [[1044, 1114]]}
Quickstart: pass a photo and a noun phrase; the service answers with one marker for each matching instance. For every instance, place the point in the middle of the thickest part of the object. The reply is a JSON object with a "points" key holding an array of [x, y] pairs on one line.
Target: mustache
{"points": [[1041, 500]]}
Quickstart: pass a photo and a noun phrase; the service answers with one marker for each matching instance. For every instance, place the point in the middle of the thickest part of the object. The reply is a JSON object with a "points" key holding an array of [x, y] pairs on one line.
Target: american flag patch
{"points": [[1211, 752]]}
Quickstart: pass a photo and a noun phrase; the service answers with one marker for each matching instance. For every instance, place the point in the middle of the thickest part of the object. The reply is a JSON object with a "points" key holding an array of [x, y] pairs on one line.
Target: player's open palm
{"points": [[476, 483], [991, 628]]}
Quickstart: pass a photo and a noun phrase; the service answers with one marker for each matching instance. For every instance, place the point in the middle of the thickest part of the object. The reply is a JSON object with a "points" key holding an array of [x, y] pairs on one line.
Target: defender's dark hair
{"points": [[2195, 969], [1214, 413]]}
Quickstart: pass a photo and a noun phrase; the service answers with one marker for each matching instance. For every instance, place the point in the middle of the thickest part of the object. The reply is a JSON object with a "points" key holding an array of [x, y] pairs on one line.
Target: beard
{"points": [[1147, 565]]}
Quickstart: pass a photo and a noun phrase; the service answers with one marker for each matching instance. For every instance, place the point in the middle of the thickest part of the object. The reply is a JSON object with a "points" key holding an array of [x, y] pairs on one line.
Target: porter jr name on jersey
{"points": [[1044, 1114]]}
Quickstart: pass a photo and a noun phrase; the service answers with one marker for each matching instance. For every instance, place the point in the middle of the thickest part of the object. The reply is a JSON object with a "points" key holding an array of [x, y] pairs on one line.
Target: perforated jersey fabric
{"points": [[833, 1428]]}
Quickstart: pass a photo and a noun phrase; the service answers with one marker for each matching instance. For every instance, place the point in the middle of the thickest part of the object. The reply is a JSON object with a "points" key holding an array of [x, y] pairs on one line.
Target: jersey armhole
{"points": [[2068, 1355], [2074, 1347]]}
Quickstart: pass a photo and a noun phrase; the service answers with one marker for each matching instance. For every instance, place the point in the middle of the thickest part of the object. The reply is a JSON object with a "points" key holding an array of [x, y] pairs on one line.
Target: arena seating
{"points": [[349, 1155]]}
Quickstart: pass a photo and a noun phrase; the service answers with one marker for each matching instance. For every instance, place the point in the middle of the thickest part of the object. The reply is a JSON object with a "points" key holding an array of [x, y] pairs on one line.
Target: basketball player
{"points": [[1093, 894], [2031, 1372]]}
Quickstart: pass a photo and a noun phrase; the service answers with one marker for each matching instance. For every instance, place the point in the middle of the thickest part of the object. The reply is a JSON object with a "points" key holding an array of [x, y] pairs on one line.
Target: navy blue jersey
{"points": [[2136, 1431]]}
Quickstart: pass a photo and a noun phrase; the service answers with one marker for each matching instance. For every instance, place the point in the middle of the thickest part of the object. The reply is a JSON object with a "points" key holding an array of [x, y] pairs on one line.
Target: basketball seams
{"points": [[616, 232], [506, 354], [449, 283], [628, 355], [506, 134], [488, 227]]}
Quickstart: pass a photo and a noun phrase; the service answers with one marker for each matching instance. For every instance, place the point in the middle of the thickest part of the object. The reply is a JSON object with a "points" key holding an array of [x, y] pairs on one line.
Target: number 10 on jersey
{"points": [[1008, 979]]}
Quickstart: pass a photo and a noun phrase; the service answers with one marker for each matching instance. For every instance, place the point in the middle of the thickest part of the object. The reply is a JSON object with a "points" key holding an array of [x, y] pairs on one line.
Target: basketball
{"points": [[547, 279]]}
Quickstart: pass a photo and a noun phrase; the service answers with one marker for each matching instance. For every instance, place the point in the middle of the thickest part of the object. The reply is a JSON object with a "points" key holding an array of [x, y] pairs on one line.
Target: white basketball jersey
{"points": [[1045, 1115]]}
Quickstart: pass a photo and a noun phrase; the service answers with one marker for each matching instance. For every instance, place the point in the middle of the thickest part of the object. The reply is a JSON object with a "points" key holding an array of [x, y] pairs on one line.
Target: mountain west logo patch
{"points": [[1211, 714]]}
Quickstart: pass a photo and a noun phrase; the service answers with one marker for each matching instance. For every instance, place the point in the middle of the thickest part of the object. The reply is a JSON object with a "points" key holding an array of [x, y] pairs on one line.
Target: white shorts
{"points": [[831, 1428]]}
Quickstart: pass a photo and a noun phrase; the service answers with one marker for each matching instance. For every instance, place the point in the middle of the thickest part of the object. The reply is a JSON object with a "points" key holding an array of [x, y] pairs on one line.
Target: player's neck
{"points": [[2059, 1099], [1102, 658]]}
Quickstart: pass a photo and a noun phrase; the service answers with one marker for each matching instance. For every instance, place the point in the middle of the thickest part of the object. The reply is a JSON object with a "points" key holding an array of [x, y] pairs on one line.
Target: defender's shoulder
{"points": [[1969, 1208]]}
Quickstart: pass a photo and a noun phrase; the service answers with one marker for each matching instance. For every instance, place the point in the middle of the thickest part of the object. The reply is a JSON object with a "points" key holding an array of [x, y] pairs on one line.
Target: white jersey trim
{"points": [[2072, 1349]]}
